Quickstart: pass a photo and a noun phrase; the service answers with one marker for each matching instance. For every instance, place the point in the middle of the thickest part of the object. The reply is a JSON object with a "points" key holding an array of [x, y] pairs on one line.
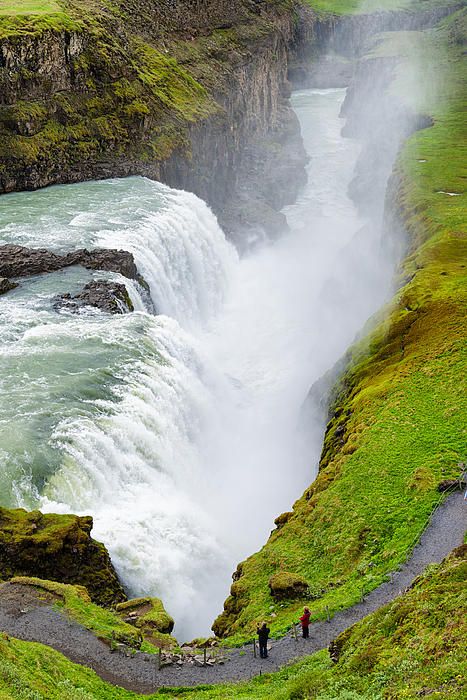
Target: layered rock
{"points": [[174, 91], [57, 548]]}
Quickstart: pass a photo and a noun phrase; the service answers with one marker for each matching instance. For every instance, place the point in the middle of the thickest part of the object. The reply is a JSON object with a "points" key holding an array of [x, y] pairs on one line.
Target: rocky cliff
{"points": [[176, 91], [59, 548]]}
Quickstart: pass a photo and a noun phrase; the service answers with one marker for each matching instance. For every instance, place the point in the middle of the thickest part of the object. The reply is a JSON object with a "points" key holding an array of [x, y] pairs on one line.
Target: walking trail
{"points": [[24, 616]]}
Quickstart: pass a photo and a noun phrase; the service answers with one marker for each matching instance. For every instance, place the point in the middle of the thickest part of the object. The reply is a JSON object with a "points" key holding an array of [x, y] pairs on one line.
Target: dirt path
{"points": [[24, 616]]}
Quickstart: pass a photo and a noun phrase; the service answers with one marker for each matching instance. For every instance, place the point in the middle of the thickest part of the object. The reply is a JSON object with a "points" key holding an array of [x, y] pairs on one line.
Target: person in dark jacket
{"points": [[305, 622], [263, 634]]}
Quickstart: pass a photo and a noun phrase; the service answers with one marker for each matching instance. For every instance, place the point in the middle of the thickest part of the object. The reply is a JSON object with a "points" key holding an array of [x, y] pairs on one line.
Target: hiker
{"points": [[305, 622], [263, 634]]}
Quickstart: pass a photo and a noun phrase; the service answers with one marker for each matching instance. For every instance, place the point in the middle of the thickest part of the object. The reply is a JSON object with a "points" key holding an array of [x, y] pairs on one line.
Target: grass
{"points": [[347, 7], [397, 426], [414, 646], [14, 8], [32, 17], [75, 601]]}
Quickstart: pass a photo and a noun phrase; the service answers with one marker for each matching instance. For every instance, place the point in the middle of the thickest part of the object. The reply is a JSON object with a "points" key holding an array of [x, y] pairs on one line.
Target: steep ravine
{"points": [[395, 419]]}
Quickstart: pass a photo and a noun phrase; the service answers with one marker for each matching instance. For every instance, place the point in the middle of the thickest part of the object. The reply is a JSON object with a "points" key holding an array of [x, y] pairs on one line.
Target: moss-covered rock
{"points": [[57, 548], [148, 614], [284, 586]]}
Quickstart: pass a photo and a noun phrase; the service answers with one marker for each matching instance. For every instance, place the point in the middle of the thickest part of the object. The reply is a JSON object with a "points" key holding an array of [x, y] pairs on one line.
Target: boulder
{"points": [[19, 261], [148, 614], [108, 296], [57, 548], [6, 285], [285, 585], [282, 519]]}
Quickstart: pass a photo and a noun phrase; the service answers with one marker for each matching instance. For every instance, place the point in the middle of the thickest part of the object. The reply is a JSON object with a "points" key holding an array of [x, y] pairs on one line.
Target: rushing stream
{"points": [[180, 432]]}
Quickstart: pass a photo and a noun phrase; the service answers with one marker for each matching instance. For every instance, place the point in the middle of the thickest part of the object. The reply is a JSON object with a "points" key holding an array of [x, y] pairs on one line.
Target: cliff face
{"points": [[174, 91]]}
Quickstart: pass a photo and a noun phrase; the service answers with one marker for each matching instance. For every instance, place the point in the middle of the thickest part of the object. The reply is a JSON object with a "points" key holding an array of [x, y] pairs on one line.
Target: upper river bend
{"points": [[181, 433]]}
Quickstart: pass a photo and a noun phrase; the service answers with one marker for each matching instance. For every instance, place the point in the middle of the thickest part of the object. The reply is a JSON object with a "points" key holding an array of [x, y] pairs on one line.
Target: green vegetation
{"points": [[413, 647], [150, 617], [28, 7], [28, 17], [344, 7], [57, 547], [149, 630], [397, 426]]}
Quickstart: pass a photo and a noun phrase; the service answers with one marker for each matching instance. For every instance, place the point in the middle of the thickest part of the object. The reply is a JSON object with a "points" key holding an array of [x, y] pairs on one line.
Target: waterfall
{"points": [[180, 433]]}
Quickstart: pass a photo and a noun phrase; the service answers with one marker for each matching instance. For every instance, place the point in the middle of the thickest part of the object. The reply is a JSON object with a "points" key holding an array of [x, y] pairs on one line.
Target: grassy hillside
{"points": [[411, 648], [344, 7], [397, 426]]}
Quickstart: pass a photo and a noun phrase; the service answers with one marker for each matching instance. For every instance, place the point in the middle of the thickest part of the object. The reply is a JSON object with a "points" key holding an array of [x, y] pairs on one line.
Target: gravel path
{"points": [[25, 617]]}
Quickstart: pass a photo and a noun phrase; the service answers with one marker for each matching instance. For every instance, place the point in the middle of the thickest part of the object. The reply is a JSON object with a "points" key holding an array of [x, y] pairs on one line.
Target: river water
{"points": [[181, 433]]}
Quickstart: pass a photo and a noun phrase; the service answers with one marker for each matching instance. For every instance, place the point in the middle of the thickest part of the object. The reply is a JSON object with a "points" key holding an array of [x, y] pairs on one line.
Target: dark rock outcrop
{"points": [[104, 259], [6, 285], [105, 295], [20, 261], [57, 548]]}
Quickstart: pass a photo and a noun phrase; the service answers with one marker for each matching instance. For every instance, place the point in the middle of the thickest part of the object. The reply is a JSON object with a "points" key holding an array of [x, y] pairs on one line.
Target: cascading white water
{"points": [[179, 433]]}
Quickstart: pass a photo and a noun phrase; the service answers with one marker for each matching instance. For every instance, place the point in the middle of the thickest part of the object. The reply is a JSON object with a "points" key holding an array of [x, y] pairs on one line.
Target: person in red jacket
{"points": [[305, 622]]}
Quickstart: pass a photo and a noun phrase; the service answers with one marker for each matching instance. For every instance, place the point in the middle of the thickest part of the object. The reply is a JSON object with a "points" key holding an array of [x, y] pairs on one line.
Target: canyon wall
{"points": [[176, 91]]}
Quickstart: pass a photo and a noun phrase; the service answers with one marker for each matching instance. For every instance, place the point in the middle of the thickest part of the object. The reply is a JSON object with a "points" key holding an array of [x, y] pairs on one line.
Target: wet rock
{"points": [[285, 585], [6, 285], [104, 259], [105, 295], [21, 261]]}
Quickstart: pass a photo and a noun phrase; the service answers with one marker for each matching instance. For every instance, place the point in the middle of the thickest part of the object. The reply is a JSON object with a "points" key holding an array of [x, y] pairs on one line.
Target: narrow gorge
{"points": [[232, 263]]}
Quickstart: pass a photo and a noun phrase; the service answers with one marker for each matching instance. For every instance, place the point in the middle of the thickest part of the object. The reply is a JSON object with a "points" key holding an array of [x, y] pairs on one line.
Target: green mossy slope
{"points": [[398, 417], [413, 647]]}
